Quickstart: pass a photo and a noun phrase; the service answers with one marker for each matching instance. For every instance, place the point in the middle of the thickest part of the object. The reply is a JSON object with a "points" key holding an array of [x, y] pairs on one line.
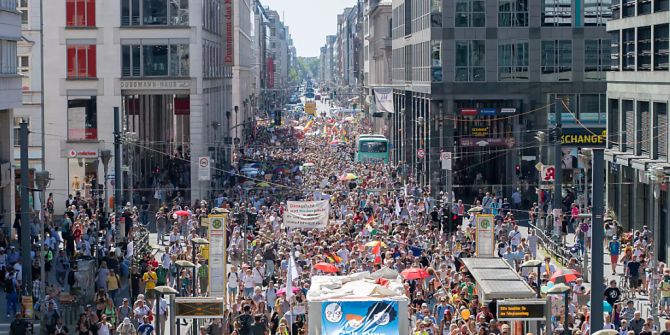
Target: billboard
{"points": [[360, 317]]}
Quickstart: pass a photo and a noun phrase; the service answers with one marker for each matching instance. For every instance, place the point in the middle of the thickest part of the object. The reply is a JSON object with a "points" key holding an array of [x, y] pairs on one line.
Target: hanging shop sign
{"points": [[488, 112], [584, 137], [479, 131], [79, 150], [488, 142], [469, 111]]}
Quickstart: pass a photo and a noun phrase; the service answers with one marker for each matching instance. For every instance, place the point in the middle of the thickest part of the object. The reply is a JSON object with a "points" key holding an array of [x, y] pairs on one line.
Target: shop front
{"points": [[156, 118], [485, 145], [82, 167]]}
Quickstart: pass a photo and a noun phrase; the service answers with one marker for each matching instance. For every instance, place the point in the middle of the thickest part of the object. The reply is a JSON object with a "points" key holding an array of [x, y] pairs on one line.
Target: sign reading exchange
{"points": [[527, 310], [584, 137]]}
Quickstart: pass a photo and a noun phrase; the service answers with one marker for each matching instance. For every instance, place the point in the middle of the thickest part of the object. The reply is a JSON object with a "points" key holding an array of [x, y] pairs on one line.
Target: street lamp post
{"points": [[565, 291], [196, 243], [537, 264], [162, 291], [106, 156], [42, 180], [181, 264]]}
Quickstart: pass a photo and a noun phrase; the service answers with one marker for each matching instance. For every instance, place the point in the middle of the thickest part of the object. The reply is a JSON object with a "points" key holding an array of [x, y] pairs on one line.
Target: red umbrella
{"points": [[182, 213], [326, 267], [564, 276], [414, 273], [282, 290]]}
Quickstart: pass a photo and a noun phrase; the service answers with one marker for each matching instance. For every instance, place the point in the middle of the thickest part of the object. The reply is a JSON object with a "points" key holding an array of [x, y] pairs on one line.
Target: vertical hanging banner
{"points": [[384, 100], [229, 33], [359, 317], [485, 242], [216, 259]]}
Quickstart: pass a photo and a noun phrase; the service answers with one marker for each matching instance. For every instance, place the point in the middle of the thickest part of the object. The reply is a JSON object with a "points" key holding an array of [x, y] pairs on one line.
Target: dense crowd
{"points": [[379, 202]]}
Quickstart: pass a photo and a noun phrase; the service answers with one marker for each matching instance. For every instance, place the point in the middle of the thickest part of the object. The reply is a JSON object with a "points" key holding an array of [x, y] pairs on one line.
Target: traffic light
{"points": [[517, 169]]}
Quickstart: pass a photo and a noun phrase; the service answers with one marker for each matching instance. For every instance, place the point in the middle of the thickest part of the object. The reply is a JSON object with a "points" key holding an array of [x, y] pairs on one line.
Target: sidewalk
{"points": [[641, 301]]}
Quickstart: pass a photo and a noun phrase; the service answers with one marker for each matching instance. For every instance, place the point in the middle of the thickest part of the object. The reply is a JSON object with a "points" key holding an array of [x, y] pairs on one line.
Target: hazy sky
{"points": [[309, 21]]}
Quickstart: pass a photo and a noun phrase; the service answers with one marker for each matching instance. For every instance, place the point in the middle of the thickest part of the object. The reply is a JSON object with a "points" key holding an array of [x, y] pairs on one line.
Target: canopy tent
{"points": [[497, 280]]}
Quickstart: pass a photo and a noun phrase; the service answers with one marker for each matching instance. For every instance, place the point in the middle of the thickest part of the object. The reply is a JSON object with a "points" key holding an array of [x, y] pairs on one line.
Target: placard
{"points": [[527, 310]]}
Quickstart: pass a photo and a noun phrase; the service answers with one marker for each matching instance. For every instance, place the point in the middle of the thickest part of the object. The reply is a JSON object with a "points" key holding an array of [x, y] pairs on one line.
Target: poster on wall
{"points": [[359, 317]]}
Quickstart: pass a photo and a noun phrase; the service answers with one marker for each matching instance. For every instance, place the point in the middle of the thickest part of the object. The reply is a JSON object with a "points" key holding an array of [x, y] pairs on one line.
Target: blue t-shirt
{"points": [[145, 329], [615, 248]]}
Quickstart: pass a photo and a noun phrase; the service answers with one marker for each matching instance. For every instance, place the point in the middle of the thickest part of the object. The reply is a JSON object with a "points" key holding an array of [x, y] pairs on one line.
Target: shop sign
{"points": [[488, 142], [526, 310], [156, 84], [488, 111], [507, 110], [229, 54], [479, 131], [469, 111], [80, 153], [584, 137]]}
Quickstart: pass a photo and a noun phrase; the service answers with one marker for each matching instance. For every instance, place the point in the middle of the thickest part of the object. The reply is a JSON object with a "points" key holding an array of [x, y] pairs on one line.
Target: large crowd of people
{"points": [[379, 202]]}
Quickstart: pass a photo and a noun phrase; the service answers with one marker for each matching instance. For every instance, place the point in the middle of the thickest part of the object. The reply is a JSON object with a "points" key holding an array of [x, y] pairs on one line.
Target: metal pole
{"points": [[558, 155], [597, 287], [158, 313], [117, 167], [25, 213], [566, 326], [43, 276]]}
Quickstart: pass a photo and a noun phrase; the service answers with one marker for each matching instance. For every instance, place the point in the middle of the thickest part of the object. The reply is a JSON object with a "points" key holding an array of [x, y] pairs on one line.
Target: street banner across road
{"points": [[485, 238], [309, 221], [360, 317]]}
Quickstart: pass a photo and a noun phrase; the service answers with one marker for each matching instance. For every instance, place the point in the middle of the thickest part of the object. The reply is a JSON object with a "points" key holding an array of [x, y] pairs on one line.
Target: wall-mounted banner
{"points": [[384, 100], [592, 137], [359, 317]]}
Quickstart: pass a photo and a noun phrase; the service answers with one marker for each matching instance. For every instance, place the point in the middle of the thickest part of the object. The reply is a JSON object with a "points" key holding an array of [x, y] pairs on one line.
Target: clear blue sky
{"points": [[309, 21]]}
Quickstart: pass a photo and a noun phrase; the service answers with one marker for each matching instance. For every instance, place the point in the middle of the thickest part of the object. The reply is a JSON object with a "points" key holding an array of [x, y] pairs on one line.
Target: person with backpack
{"points": [[245, 320], [233, 285], [126, 328]]}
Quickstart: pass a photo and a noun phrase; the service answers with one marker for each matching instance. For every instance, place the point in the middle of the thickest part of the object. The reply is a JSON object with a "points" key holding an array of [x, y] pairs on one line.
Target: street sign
{"points": [[521, 309], [445, 158], [199, 308], [548, 173], [485, 238], [204, 170], [420, 153]]}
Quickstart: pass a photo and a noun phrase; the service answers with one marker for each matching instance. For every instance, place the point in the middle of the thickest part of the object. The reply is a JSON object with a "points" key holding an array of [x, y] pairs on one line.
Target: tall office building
{"points": [[638, 93], [163, 64], [10, 98], [478, 78]]}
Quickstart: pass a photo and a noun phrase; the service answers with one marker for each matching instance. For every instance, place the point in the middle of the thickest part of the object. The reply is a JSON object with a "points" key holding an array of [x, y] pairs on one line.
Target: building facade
{"points": [[10, 98], [638, 93], [163, 66], [377, 58], [511, 59]]}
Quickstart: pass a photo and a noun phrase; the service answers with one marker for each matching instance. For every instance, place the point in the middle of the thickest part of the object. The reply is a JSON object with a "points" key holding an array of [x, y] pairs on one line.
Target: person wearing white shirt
{"points": [[248, 283]]}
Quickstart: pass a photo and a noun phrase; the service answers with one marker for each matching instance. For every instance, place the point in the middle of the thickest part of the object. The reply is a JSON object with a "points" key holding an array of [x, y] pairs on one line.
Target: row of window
{"points": [[511, 13], [556, 60], [81, 13], [632, 48], [630, 8], [8, 4], [137, 60], [639, 126]]}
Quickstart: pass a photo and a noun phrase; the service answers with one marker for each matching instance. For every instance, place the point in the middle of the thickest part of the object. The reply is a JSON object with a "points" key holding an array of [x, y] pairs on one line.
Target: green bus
{"points": [[372, 148]]}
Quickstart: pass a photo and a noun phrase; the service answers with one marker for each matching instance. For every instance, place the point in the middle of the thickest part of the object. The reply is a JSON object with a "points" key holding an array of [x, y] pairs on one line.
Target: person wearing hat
{"points": [[614, 248], [126, 328]]}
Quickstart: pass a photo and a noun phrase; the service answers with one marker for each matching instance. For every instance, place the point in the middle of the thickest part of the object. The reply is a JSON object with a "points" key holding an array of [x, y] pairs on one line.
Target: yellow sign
{"points": [[582, 137], [480, 131], [310, 107]]}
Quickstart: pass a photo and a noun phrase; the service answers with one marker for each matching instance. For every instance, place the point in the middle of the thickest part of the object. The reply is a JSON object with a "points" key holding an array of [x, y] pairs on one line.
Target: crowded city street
{"points": [[317, 240]]}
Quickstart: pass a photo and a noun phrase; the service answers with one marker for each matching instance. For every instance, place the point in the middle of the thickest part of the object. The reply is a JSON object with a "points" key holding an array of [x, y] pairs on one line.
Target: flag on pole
{"points": [[371, 221], [291, 274]]}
